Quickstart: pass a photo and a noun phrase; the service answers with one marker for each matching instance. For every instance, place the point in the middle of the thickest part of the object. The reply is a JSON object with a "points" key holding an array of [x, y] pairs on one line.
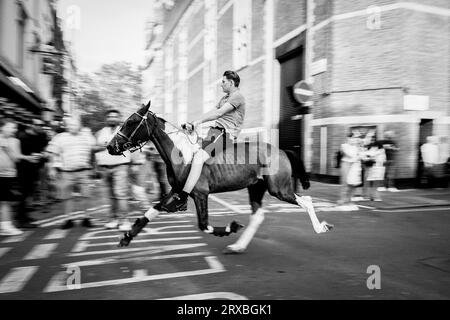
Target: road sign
{"points": [[303, 92]]}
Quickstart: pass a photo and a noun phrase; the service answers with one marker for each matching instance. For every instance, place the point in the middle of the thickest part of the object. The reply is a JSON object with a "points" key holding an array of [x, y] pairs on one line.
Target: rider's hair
{"points": [[232, 75]]}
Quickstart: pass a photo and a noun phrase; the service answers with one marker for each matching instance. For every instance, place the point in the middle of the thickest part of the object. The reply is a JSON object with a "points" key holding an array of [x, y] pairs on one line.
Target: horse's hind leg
{"points": [[284, 191], [256, 194]]}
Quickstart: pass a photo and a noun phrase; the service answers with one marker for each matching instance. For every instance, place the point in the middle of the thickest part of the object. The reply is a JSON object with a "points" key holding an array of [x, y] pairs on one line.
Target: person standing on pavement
{"points": [[375, 158], [33, 141], [444, 160], [114, 171], [10, 154], [72, 152], [391, 149], [350, 160]]}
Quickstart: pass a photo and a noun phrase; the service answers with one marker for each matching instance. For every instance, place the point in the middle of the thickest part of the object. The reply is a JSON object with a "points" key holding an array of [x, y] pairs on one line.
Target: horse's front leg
{"points": [[201, 205], [137, 227]]}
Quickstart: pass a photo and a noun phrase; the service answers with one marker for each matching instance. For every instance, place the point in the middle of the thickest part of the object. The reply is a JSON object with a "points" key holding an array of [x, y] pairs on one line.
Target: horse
{"points": [[229, 170]]}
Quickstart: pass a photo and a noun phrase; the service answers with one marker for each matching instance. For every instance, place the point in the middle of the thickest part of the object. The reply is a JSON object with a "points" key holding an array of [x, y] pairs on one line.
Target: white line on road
{"points": [[117, 259], [226, 204], [82, 245], [149, 250], [209, 296], [41, 251], [56, 284], [16, 279], [57, 234], [414, 209], [18, 238], [3, 251]]}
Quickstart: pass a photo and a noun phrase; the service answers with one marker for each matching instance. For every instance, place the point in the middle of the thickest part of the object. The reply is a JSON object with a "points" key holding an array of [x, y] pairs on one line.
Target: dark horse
{"points": [[272, 170]]}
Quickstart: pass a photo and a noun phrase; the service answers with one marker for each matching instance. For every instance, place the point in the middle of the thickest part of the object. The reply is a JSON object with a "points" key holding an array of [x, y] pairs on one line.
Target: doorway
{"points": [[425, 130]]}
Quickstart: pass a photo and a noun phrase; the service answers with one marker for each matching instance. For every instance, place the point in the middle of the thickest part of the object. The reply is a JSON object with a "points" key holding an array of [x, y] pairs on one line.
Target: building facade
{"points": [[373, 65], [31, 57]]}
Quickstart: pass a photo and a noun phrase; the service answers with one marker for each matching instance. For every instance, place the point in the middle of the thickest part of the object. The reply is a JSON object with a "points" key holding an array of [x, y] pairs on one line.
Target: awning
{"points": [[17, 90]]}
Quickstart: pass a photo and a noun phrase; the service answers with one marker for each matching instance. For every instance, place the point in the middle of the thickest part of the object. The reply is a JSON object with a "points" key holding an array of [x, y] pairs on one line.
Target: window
{"points": [[242, 17]]}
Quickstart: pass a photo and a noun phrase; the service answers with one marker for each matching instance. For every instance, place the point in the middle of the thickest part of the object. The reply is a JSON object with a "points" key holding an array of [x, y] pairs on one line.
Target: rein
{"points": [[134, 146]]}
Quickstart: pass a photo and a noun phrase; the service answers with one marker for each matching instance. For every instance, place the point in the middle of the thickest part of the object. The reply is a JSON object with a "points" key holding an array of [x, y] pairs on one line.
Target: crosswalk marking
{"points": [[3, 251], [16, 279], [18, 238], [41, 251], [214, 266], [57, 234]]}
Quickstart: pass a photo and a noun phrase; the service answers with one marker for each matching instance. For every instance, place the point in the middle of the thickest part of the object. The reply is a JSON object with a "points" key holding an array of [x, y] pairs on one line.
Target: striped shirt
{"points": [[73, 150]]}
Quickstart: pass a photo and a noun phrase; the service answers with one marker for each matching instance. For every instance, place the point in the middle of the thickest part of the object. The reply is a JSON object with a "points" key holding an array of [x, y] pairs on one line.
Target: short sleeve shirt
{"points": [[233, 120], [74, 151]]}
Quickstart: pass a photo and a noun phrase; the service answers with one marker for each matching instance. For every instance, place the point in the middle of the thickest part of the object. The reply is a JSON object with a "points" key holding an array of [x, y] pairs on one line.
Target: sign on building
{"points": [[303, 92], [416, 102]]}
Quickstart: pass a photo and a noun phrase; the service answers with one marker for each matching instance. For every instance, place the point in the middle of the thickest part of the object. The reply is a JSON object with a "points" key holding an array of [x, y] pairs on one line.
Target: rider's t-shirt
{"points": [[232, 121]]}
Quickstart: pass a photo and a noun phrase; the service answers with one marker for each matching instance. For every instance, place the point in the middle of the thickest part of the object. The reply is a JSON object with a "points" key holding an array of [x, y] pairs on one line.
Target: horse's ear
{"points": [[148, 104], [146, 107]]}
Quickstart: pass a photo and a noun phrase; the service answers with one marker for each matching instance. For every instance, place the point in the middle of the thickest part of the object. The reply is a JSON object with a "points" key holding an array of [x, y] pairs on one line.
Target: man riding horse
{"points": [[257, 166], [228, 117]]}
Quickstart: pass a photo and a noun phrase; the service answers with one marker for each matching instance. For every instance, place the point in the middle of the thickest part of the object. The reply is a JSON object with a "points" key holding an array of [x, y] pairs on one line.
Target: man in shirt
{"points": [[228, 117], [72, 150], [114, 171], [391, 149]]}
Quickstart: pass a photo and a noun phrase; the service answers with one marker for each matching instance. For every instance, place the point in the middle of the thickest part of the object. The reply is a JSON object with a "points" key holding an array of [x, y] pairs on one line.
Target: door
{"points": [[291, 133], [425, 130]]}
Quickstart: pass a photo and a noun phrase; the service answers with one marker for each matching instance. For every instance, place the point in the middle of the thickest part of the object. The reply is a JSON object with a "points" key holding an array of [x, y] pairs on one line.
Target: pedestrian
{"points": [[33, 141], [71, 152], [391, 148], [159, 168], [227, 119], [444, 160], [137, 174], [374, 158], [10, 154], [350, 176], [430, 157], [114, 171]]}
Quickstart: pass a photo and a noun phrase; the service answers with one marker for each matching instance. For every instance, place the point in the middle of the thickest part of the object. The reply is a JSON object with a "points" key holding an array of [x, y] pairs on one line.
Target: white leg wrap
{"points": [[306, 203], [255, 221], [151, 214], [209, 230]]}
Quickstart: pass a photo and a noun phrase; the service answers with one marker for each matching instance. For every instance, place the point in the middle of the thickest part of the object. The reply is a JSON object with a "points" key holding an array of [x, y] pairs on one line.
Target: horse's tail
{"points": [[298, 168]]}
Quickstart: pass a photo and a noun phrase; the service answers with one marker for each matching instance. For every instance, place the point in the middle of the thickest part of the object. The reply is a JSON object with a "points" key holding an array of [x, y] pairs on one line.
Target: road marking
{"points": [[18, 238], [149, 250], [41, 251], [129, 258], [214, 266], [413, 209], [3, 251], [57, 234], [209, 296], [226, 204], [16, 279], [145, 232], [82, 245]]}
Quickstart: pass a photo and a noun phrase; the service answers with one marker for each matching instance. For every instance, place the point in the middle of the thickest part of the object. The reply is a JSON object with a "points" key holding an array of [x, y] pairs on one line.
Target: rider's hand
{"points": [[188, 126]]}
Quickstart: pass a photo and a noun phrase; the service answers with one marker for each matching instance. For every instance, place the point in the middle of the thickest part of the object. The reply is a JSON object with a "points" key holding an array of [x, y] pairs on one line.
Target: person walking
{"points": [[71, 152], [10, 154], [114, 171]]}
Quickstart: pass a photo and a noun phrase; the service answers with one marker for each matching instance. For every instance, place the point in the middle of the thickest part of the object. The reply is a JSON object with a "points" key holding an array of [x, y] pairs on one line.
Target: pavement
{"points": [[172, 259]]}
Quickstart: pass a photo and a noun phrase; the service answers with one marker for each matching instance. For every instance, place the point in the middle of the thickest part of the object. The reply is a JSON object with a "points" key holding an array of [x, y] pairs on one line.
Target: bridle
{"points": [[134, 146]]}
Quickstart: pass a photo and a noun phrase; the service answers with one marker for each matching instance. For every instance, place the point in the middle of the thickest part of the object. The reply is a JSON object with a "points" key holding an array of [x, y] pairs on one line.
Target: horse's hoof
{"points": [[235, 226], [125, 240], [326, 226], [233, 249]]}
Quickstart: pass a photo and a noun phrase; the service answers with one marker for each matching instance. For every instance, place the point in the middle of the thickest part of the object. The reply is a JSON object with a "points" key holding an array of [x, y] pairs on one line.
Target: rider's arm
{"points": [[214, 114]]}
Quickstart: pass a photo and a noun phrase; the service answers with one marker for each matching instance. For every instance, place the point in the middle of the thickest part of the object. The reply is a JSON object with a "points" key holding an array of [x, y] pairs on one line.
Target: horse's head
{"points": [[135, 131]]}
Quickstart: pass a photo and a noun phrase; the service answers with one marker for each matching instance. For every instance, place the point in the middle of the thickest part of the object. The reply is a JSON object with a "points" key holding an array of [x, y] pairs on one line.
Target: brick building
{"points": [[378, 64]]}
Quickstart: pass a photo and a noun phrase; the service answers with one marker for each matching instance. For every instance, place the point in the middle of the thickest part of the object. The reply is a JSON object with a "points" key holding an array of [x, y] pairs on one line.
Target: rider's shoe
{"points": [[172, 203]]}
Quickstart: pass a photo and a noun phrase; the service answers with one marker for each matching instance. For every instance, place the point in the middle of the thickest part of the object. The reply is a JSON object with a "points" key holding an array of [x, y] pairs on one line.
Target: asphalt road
{"points": [[286, 259]]}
